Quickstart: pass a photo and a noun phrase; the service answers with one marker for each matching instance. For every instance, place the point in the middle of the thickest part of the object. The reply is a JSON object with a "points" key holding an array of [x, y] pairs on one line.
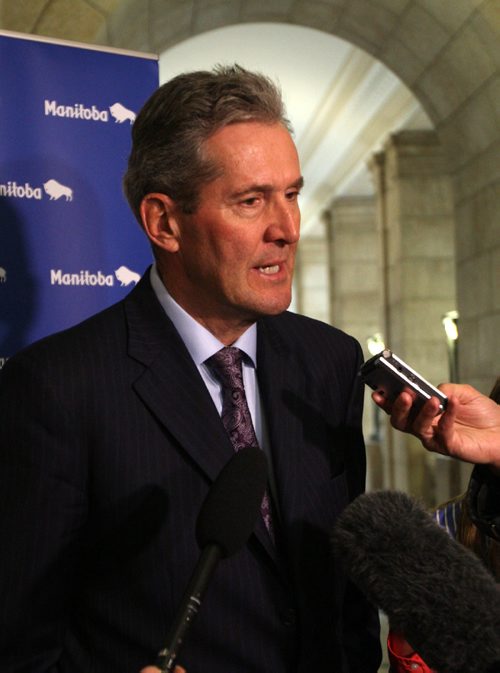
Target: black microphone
{"points": [[434, 591], [225, 522]]}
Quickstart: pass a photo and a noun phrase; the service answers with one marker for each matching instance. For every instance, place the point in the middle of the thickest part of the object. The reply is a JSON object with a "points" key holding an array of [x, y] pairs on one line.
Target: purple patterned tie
{"points": [[226, 365]]}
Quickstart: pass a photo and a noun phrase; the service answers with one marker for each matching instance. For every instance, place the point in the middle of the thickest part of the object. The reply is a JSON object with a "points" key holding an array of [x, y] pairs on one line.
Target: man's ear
{"points": [[158, 215]]}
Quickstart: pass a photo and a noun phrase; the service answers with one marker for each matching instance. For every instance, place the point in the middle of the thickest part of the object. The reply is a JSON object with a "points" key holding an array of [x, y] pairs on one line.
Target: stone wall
{"points": [[447, 53]]}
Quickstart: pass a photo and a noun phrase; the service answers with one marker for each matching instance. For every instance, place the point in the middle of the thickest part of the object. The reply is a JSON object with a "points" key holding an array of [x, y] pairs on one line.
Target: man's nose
{"points": [[284, 224]]}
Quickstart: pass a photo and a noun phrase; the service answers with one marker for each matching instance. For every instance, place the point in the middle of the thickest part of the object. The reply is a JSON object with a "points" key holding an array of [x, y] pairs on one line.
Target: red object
{"points": [[402, 658]]}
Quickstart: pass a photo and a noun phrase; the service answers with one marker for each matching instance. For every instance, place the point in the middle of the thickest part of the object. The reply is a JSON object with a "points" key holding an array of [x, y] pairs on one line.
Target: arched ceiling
{"points": [[342, 102], [447, 53]]}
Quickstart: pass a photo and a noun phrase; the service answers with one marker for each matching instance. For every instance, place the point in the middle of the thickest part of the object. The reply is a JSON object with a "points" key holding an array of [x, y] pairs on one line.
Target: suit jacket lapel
{"points": [[278, 377], [171, 385], [279, 380], [172, 388], [308, 440], [301, 450]]}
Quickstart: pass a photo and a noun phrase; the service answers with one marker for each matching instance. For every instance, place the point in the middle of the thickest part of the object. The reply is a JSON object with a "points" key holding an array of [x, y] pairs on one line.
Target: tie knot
{"points": [[226, 364]]}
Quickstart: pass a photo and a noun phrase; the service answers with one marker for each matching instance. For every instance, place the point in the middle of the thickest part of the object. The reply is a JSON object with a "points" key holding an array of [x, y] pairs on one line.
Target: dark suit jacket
{"points": [[109, 442]]}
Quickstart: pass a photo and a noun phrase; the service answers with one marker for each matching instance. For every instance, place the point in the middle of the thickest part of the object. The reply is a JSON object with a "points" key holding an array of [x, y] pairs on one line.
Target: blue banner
{"points": [[69, 244]]}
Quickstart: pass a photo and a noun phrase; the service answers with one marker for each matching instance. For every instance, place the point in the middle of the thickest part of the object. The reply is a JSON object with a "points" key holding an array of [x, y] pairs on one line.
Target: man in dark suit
{"points": [[111, 432]]}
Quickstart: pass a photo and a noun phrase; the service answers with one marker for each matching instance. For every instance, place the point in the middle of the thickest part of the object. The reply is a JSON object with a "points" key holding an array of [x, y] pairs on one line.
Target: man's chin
{"points": [[271, 308]]}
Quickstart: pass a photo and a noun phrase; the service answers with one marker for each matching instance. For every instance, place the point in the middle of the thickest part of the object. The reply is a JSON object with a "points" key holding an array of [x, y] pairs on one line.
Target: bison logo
{"points": [[3, 275], [121, 114], [126, 276], [55, 190]]}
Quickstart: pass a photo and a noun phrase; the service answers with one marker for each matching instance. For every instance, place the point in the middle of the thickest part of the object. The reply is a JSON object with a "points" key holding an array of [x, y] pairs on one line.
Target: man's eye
{"points": [[293, 195], [250, 201]]}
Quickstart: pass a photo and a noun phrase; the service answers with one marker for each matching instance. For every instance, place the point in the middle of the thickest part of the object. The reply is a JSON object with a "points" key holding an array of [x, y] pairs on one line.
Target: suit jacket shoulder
{"points": [[327, 358]]}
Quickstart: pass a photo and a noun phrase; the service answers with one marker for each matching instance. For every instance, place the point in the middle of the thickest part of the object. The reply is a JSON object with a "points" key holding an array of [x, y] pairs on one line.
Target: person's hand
{"points": [[469, 429]]}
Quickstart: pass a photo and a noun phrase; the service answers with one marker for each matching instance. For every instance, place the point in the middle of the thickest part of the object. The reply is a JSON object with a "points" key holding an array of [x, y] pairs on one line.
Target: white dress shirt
{"points": [[202, 344]]}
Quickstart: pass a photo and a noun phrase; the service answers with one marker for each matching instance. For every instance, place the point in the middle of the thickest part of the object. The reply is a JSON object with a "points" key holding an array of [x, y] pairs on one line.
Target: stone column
{"points": [[354, 268], [311, 292], [355, 300], [418, 260]]}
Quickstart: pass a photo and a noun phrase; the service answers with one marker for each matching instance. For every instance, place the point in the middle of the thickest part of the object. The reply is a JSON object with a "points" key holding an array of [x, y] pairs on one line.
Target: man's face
{"points": [[235, 256]]}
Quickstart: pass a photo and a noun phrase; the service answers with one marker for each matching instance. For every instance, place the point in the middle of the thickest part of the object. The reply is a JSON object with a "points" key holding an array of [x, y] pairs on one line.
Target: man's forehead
{"points": [[248, 132], [252, 142]]}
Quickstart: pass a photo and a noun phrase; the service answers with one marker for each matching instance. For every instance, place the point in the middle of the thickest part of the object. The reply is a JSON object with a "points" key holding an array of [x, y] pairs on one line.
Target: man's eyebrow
{"points": [[298, 184]]}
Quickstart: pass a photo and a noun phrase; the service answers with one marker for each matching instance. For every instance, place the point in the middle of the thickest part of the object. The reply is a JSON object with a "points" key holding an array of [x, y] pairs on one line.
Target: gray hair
{"points": [[168, 135]]}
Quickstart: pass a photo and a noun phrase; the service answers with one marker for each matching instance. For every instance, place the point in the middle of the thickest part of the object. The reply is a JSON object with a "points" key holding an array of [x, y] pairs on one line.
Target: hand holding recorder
{"points": [[468, 428]]}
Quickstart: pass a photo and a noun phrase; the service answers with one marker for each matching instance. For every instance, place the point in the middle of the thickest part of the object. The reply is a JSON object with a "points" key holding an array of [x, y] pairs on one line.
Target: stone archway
{"points": [[448, 54]]}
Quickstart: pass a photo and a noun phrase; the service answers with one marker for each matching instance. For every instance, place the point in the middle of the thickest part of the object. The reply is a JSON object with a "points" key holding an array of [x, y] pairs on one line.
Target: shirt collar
{"points": [[200, 343]]}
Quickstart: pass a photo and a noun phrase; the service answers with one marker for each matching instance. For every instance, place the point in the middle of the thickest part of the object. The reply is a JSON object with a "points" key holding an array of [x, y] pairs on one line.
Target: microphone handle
{"points": [[190, 604]]}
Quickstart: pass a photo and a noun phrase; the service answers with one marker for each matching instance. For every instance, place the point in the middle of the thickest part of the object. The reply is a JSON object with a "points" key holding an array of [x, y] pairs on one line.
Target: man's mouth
{"points": [[269, 269]]}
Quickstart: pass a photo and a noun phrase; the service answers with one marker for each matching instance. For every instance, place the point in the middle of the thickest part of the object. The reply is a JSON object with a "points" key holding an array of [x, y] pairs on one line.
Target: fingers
{"points": [[403, 416], [400, 405], [447, 420], [462, 391], [381, 401], [426, 418], [398, 410]]}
